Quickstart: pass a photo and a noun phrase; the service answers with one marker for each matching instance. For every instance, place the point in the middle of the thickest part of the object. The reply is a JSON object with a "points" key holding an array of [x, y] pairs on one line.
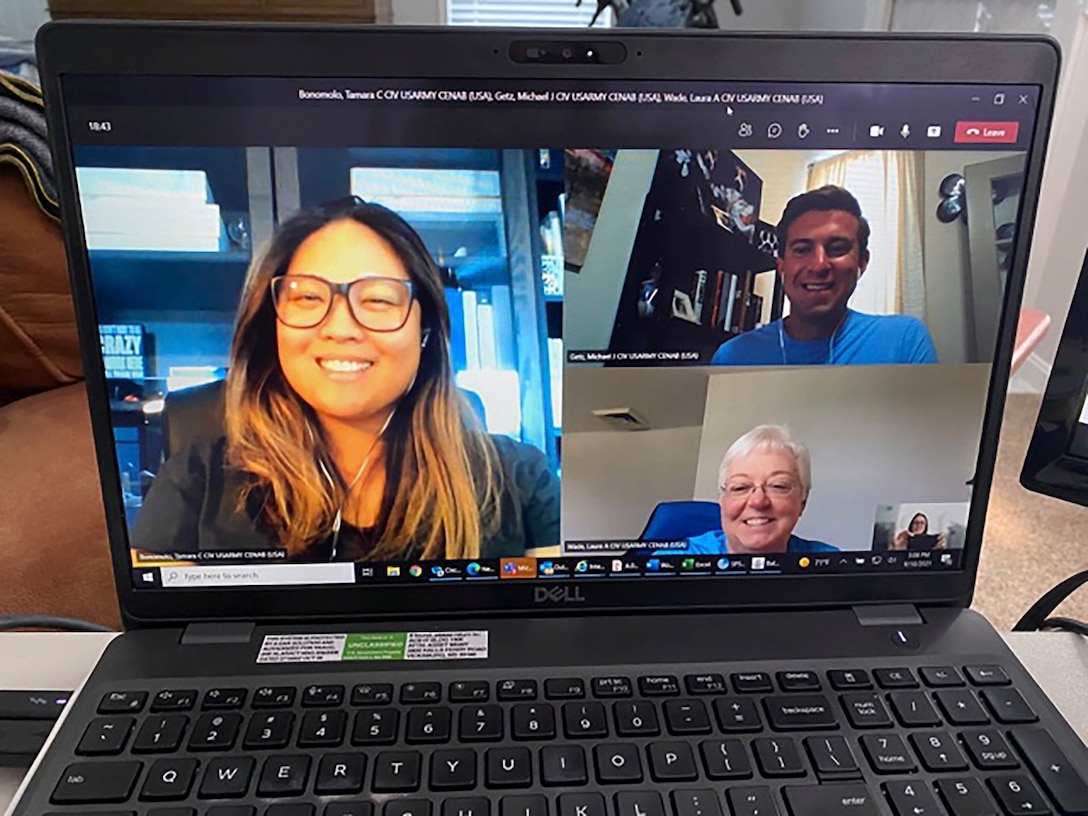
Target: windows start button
{"points": [[987, 132]]}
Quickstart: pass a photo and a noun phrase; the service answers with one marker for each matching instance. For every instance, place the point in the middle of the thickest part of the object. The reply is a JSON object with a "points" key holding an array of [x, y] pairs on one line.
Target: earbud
{"points": [[426, 337]]}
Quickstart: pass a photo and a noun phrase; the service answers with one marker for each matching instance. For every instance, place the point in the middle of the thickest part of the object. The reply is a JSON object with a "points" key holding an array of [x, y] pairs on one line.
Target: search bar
{"points": [[260, 575]]}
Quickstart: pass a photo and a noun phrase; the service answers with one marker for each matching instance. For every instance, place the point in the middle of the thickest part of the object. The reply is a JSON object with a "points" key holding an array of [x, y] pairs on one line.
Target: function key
{"points": [[751, 682], [939, 676], [122, 702], [429, 692], [895, 678], [171, 700], [659, 685], [849, 680], [322, 696], [987, 675], [705, 684], [368, 694], [517, 690], [221, 698], [564, 688], [470, 691], [611, 687], [798, 681], [274, 697]]}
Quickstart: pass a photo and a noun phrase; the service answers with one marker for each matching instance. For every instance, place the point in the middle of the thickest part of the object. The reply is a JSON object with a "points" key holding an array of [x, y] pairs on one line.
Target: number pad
{"points": [[585, 720], [965, 797], [636, 719], [911, 798], [1018, 794], [376, 726], [938, 752], [272, 730], [215, 732], [887, 753], [989, 751], [532, 721]]}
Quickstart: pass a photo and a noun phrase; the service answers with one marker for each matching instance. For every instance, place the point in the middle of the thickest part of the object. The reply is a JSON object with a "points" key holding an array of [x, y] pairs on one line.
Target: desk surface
{"points": [[1057, 661]]}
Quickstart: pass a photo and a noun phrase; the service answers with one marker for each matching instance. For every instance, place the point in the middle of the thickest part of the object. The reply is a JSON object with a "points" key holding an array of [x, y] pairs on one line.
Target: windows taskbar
{"points": [[205, 575]]}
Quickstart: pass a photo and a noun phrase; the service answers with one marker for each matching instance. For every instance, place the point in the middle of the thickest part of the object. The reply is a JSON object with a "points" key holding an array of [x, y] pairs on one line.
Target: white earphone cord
{"points": [[830, 340]]}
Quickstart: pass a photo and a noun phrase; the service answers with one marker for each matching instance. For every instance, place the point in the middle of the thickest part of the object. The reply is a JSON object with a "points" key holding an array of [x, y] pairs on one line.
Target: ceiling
{"points": [[663, 397]]}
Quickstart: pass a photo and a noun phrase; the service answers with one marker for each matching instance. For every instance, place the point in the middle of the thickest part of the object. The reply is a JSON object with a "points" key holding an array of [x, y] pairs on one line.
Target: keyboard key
{"points": [[659, 685], [639, 803], [832, 758], [169, 780], [564, 688], [1008, 705], [961, 708], [696, 803], [1018, 794], [470, 691], [173, 700], [407, 807], [987, 675], [938, 752], [453, 770], [466, 806], [895, 678], [778, 757], [274, 697], [509, 768], [272, 730], [637, 718], [672, 762], [322, 728], [887, 753], [853, 680], [750, 802], [563, 765], [122, 702], [911, 798], [611, 687], [799, 712], [737, 714], [226, 778], [831, 800], [798, 681], [480, 724], [988, 750], [220, 699], [429, 692], [396, 772], [231, 810], [535, 805], [965, 797], [284, 776], [913, 709], [617, 763], [866, 710], [105, 736], [430, 724], [340, 774], [725, 759], [582, 804], [705, 684], [372, 694], [751, 682], [1059, 777], [376, 726], [290, 809], [532, 721], [517, 690], [160, 735], [686, 717], [348, 809], [322, 696], [940, 676], [584, 720], [215, 732]]}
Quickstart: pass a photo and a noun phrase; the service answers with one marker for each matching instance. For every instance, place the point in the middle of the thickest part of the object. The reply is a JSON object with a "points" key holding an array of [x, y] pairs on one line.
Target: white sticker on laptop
{"points": [[374, 646]]}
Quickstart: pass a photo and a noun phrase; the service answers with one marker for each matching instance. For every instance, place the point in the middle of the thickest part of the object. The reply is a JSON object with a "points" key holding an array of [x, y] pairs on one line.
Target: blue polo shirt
{"points": [[714, 543]]}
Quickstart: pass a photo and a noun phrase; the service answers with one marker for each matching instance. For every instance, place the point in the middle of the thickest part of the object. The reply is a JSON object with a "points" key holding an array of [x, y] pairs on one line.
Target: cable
{"points": [[1035, 617], [1066, 625], [8, 622]]}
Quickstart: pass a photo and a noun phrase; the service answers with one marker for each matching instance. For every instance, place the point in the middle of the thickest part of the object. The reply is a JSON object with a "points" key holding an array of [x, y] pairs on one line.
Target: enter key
{"points": [[831, 800]]}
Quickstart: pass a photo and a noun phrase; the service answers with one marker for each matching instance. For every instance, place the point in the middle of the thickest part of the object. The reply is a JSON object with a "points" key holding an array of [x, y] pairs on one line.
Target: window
{"points": [[535, 13]]}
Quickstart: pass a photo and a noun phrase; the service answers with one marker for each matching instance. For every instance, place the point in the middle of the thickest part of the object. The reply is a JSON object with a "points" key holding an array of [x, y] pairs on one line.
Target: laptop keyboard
{"points": [[913, 742]]}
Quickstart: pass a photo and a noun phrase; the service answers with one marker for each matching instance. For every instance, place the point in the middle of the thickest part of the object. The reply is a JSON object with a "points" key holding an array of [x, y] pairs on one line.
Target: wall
{"points": [[419, 12], [612, 480], [19, 19]]}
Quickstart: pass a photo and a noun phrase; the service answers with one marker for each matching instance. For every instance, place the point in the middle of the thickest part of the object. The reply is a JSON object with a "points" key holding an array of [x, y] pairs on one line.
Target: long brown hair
{"points": [[443, 477]]}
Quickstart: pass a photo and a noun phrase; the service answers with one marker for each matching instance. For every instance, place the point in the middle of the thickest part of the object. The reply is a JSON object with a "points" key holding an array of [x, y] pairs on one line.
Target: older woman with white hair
{"points": [[763, 485]]}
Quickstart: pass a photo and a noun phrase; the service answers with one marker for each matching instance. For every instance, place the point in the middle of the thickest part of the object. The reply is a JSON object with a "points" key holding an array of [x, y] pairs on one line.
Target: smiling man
{"points": [[823, 247]]}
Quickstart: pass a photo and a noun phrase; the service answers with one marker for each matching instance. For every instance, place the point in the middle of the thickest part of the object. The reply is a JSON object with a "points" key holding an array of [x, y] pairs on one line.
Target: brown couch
{"points": [[54, 558]]}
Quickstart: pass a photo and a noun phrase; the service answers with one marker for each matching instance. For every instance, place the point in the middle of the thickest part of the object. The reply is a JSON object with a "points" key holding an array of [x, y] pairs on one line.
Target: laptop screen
{"points": [[453, 331]]}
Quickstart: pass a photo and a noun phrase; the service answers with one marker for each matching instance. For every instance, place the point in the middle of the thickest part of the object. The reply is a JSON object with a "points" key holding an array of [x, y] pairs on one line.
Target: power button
{"points": [[904, 639]]}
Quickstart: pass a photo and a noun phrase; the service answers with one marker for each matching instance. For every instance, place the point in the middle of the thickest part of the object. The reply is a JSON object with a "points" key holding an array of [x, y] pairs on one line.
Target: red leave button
{"points": [[987, 132]]}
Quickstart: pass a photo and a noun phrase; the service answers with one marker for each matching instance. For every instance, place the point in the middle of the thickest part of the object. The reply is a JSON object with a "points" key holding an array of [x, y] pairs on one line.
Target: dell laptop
{"points": [[548, 423]]}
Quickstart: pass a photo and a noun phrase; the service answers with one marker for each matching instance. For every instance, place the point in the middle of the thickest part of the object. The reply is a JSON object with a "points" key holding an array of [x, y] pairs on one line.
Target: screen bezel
{"points": [[95, 48]]}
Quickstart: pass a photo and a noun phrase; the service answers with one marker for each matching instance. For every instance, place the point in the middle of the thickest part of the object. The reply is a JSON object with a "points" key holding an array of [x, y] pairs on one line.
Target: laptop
{"points": [[536, 423]]}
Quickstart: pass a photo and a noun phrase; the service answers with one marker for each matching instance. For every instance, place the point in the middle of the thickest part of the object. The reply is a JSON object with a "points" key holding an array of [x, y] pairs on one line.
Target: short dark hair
{"points": [[828, 197]]}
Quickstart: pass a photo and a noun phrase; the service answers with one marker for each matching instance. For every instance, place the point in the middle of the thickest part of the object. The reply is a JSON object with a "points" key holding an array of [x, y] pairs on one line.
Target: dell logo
{"points": [[558, 594]]}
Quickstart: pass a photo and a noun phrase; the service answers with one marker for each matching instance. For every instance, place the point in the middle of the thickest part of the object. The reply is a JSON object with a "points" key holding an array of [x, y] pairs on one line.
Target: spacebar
{"points": [[831, 800]]}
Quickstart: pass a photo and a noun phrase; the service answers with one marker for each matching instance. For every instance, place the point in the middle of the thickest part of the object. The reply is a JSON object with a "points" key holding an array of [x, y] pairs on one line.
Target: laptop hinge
{"points": [[205, 634], [888, 615]]}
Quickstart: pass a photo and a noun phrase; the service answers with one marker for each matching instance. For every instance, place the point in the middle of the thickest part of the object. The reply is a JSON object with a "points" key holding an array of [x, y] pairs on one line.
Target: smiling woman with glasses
{"points": [[346, 437]]}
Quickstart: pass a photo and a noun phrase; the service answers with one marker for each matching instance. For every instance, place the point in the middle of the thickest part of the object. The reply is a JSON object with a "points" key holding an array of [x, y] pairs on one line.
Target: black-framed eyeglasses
{"points": [[377, 304]]}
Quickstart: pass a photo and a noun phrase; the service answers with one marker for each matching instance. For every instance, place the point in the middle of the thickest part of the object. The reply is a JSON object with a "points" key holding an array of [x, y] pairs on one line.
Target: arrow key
{"points": [[911, 798], [1018, 794]]}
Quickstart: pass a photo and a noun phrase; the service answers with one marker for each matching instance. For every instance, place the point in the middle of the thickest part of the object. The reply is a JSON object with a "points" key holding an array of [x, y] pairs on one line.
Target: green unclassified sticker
{"points": [[334, 648]]}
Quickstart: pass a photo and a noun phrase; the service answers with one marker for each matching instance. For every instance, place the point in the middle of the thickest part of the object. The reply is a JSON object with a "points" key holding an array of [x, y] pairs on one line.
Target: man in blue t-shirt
{"points": [[823, 249]]}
